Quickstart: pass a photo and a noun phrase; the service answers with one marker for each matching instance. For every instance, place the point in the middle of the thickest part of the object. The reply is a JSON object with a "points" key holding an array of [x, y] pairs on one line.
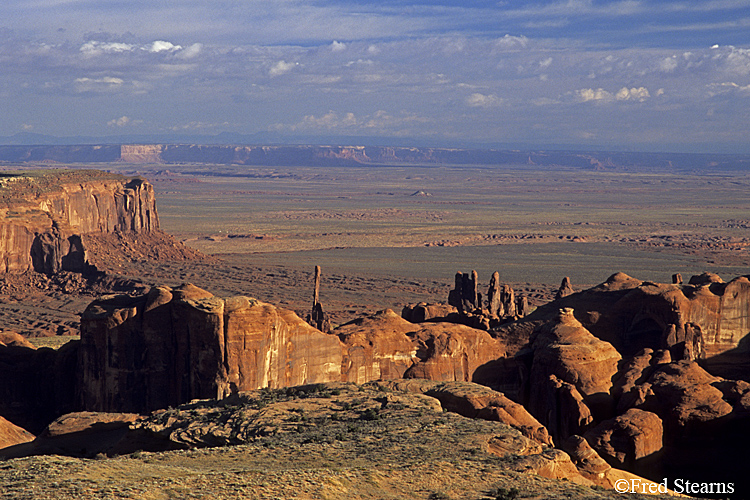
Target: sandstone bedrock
{"points": [[43, 216]]}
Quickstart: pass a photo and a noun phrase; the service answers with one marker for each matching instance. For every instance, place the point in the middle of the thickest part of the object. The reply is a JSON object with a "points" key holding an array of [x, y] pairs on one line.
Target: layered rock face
{"points": [[696, 320], [174, 345], [385, 346], [42, 219]]}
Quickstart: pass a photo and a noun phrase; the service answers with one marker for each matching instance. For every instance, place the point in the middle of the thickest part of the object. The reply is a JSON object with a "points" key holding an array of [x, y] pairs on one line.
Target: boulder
{"points": [[421, 312], [594, 468], [14, 339], [624, 440]]}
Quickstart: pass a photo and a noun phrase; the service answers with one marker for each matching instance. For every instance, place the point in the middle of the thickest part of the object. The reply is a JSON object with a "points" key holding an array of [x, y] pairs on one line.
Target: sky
{"points": [[633, 74]]}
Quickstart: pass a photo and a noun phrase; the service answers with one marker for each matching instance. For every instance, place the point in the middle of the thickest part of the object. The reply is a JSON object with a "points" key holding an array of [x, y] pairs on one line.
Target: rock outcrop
{"points": [[624, 440], [385, 346], [11, 434], [697, 320], [570, 376], [477, 401], [43, 217], [173, 345]]}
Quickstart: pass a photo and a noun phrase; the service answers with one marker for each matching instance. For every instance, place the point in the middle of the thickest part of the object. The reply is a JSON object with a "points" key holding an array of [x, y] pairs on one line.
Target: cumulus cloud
{"points": [[639, 94], [478, 100], [162, 46], [191, 51], [512, 42], [282, 67], [338, 46], [668, 64], [585, 95]]}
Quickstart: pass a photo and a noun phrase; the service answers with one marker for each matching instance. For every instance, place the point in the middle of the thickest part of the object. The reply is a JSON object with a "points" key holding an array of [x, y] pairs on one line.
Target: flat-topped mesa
{"points": [[44, 214]]}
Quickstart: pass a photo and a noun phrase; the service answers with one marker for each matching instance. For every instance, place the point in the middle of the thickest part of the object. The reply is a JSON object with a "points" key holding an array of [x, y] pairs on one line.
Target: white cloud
{"points": [[545, 63], [338, 46], [668, 64], [27, 127], [192, 51], [585, 95], [109, 80], [639, 94], [94, 48], [330, 120], [477, 100], [282, 67], [162, 46], [512, 42]]}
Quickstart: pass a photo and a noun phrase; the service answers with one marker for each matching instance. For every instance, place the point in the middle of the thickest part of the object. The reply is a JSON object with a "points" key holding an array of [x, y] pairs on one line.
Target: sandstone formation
{"points": [[421, 312], [43, 218], [36, 385], [13, 339], [694, 321], [386, 346], [465, 295], [11, 434], [565, 289], [477, 401], [570, 376], [317, 317], [502, 304], [172, 345], [627, 438]]}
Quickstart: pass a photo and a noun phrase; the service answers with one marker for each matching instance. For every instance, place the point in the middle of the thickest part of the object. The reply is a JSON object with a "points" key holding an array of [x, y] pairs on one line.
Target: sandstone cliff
{"points": [[174, 345], [170, 345], [694, 320], [43, 217]]}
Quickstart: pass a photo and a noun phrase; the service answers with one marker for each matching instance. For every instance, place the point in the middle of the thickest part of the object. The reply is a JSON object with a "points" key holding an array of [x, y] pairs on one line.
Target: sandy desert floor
{"points": [[387, 236]]}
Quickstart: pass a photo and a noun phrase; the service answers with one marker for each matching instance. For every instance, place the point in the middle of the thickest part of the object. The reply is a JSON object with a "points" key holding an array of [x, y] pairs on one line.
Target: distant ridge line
{"points": [[308, 155]]}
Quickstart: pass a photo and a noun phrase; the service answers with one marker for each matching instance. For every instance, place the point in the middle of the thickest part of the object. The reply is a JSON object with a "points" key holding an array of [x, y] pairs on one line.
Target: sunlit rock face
{"points": [[42, 219], [174, 345]]}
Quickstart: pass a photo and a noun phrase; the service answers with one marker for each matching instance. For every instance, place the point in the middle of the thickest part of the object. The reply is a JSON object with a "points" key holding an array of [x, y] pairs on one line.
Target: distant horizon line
{"points": [[33, 139]]}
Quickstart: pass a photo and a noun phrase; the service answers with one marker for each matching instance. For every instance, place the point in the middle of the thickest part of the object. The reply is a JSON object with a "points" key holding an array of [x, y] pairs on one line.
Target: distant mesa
{"points": [[421, 193], [290, 155], [50, 219]]}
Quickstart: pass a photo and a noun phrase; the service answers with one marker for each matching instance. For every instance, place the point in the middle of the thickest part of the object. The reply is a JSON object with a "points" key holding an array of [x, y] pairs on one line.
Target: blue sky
{"points": [[640, 75]]}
